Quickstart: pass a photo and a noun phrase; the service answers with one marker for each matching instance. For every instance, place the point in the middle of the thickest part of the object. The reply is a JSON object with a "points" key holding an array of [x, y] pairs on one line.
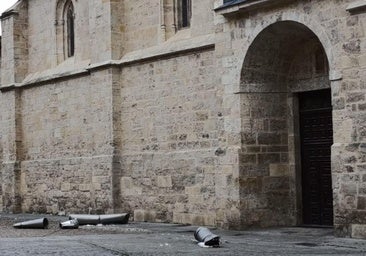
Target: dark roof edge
{"points": [[7, 14], [230, 4], [10, 11]]}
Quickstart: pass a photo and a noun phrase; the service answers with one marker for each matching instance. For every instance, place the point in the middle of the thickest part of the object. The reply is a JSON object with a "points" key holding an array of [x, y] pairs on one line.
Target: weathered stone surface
{"points": [[198, 125], [358, 231]]}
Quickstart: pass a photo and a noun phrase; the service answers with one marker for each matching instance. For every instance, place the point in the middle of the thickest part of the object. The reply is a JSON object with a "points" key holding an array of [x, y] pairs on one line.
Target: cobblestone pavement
{"points": [[166, 239]]}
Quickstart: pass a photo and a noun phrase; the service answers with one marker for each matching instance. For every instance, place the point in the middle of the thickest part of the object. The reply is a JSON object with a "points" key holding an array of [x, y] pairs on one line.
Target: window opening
{"points": [[185, 13], [70, 18]]}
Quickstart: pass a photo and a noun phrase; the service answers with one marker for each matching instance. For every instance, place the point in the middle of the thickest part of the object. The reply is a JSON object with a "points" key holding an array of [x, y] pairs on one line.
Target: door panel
{"points": [[316, 140]]}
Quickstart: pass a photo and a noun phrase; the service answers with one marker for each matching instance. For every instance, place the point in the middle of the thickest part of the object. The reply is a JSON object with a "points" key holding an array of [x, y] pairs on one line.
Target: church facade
{"points": [[229, 113]]}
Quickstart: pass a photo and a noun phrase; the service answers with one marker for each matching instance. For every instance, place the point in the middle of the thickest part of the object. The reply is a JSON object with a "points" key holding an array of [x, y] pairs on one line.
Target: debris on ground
{"points": [[105, 219], [41, 223], [206, 238]]}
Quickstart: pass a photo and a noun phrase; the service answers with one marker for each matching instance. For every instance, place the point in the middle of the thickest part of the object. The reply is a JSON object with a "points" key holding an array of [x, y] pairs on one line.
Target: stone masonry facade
{"points": [[121, 108]]}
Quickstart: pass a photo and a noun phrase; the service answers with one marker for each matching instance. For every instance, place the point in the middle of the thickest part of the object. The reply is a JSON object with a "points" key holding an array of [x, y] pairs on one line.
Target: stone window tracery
{"points": [[65, 30]]}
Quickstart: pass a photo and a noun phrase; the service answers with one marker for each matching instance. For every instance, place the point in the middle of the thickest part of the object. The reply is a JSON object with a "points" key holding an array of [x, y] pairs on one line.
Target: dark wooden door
{"points": [[316, 140]]}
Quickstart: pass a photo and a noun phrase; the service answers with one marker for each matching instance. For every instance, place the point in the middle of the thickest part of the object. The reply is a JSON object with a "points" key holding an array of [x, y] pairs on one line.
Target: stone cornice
{"points": [[162, 51], [169, 49], [246, 6], [357, 6]]}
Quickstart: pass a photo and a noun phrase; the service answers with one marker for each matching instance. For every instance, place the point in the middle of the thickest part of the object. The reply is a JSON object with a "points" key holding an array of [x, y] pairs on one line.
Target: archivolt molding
{"points": [[305, 20]]}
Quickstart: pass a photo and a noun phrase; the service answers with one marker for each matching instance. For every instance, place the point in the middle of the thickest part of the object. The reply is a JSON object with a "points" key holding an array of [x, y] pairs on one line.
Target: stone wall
{"points": [[64, 155], [160, 23], [198, 125], [93, 33], [14, 54], [341, 33], [348, 152], [172, 128], [46, 34], [42, 37], [266, 199], [10, 164], [140, 33]]}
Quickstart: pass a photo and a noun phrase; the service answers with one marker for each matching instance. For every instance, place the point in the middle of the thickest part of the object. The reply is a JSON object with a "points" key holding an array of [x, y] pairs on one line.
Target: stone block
{"points": [[348, 189], [338, 103], [128, 188], [253, 149], [197, 219], [126, 182], [253, 171], [144, 215], [355, 97], [358, 230], [361, 203], [179, 207], [84, 187], [177, 217], [139, 215], [269, 158], [248, 138], [278, 125], [271, 184], [65, 187], [248, 158], [165, 181], [96, 186], [184, 218], [193, 190], [269, 139], [209, 220], [278, 170]]}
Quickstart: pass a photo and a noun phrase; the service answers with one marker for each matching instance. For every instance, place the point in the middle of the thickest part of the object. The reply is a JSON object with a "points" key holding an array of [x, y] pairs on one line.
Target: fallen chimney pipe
{"points": [[85, 219], [38, 223], [114, 218], [105, 219], [204, 235], [70, 224]]}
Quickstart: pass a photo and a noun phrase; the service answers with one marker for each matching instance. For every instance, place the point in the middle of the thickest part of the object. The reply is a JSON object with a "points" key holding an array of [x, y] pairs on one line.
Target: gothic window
{"points": [[65, 29], [184, 13], [69, 18]]}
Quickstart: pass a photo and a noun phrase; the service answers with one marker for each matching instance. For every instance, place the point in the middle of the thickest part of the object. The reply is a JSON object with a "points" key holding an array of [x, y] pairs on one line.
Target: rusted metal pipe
{"points": [[38, 223], [204, 235]]}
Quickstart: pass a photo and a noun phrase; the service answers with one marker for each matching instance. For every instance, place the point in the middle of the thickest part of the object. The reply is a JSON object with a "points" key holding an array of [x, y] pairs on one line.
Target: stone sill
{"points": [[246, 6], [69, 69], [357, 6]]}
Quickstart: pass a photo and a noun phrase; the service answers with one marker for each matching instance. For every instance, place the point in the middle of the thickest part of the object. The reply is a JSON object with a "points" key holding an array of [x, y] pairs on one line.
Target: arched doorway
{"points": [[285, 69]]}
